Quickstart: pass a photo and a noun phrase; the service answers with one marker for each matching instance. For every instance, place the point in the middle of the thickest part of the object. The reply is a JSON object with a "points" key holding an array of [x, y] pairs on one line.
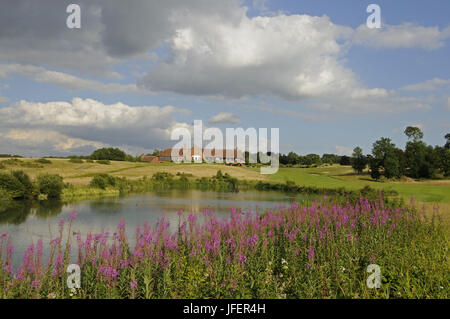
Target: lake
{"points": [[26, 223]]}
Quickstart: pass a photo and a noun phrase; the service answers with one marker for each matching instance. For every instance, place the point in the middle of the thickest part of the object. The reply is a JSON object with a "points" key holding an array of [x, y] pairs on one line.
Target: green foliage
{"points": [[51, 185], [358, 160], [24, 179], [43, 161], [103, 181], [384, 156], [104, 162], [12, 186], [76, 160], [21, 163], [414, 133], [345, 161], [111, 154]]}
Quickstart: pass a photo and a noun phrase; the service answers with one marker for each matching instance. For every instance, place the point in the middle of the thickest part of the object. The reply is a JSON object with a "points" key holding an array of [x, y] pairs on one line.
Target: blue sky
{"points": [[310, 68]]}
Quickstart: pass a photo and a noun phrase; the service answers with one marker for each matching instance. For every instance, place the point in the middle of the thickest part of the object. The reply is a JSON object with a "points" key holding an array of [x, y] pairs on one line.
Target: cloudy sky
{"points": [[138, 69]]}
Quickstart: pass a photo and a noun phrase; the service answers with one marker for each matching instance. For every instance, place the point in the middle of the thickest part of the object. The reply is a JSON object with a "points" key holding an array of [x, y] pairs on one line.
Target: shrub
{"points": [[25, 180], [76, 160], [102, 181], [11, 185], [50, 185], [104, 162], [43, 161]]}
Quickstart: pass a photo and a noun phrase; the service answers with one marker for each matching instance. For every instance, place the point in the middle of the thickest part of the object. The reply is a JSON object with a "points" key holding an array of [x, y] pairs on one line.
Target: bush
{"points": [[25, 180], [43, 161], [50, 185], [102, 181], [12, 186], [76, 160], [104, 162]]}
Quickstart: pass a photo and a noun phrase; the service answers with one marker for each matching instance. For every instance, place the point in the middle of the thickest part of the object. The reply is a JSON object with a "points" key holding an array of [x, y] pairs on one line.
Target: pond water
{"points": [[26, 223]]}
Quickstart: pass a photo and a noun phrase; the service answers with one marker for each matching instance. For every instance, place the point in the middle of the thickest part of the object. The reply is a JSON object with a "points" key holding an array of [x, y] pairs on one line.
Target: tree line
{"points": [[417, 160]]}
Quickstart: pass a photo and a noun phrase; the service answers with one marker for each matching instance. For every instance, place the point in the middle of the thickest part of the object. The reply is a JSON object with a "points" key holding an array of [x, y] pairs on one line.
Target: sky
{"points": [[137, 70]]}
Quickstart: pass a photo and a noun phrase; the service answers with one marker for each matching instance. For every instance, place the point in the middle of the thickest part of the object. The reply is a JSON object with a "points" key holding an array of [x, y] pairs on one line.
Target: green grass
{"points": [[80, 174], [338, 176]]}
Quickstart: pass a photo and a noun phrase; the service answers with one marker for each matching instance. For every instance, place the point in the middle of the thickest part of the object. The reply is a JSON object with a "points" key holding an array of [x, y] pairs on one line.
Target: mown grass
{"points": [[338, 176]]}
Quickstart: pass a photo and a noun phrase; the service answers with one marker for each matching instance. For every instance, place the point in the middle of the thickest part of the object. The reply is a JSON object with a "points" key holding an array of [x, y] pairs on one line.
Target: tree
{"points": [[111, 154], [413, 132], [358, 160], [415, 153], [447, 144], [345, 160], [384, 156]]}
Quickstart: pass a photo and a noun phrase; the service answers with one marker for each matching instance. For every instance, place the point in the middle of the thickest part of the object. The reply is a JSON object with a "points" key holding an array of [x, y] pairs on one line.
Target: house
{"points": [[150, 159], [197, 155]]}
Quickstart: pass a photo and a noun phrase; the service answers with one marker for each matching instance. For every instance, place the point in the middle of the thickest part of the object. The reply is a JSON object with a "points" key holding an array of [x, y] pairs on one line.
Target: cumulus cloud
{"points": [[224, 118], [65, 127], [406, 35], [203, 47], [290, 56]]}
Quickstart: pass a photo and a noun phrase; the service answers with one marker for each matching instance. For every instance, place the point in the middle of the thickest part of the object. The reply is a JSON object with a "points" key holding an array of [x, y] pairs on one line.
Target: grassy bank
{"points": [[430, 191]]}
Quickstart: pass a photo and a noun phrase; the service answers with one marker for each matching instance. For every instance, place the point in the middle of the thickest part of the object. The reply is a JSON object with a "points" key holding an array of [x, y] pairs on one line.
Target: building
{"points": [[197, 155], [150, 159]]}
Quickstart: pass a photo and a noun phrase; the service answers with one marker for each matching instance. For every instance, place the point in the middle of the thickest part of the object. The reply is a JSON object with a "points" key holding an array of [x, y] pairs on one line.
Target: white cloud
{"points": [[448, 103], [67, 127], [49, 139], [430, 85], [215, 49], [224, 117], [293, 57], [406, 35], [343, 150], [41, 75]]}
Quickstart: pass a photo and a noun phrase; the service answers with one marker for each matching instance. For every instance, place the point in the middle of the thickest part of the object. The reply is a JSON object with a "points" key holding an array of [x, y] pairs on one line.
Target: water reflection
{"points": [[17, 212], [27, 222]]}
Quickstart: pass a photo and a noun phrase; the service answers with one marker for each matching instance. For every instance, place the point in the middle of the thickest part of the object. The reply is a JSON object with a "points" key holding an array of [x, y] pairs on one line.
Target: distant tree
{"points": [[447, 144], [374, 166], [384, 156], [311, 159], [414, 133], [401, 161], [358, 160], [331, 158], [111, 154], [345, 160]]}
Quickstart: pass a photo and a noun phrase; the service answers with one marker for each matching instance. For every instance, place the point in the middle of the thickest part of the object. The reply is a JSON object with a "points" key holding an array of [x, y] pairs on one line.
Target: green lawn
{"points": [[338, 176]]}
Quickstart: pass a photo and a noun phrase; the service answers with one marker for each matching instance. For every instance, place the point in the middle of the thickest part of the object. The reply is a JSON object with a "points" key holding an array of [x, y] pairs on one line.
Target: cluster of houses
{"points": [[197, 155]]}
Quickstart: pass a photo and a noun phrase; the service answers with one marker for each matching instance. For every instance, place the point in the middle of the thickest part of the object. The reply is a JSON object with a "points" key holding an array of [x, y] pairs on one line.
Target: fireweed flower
{"points": [[133, 285], [73, 215]]}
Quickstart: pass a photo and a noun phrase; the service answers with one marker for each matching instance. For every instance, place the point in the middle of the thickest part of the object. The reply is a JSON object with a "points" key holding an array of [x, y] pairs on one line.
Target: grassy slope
{"points": [[81, 174], [328, 177], [338, 176]]}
